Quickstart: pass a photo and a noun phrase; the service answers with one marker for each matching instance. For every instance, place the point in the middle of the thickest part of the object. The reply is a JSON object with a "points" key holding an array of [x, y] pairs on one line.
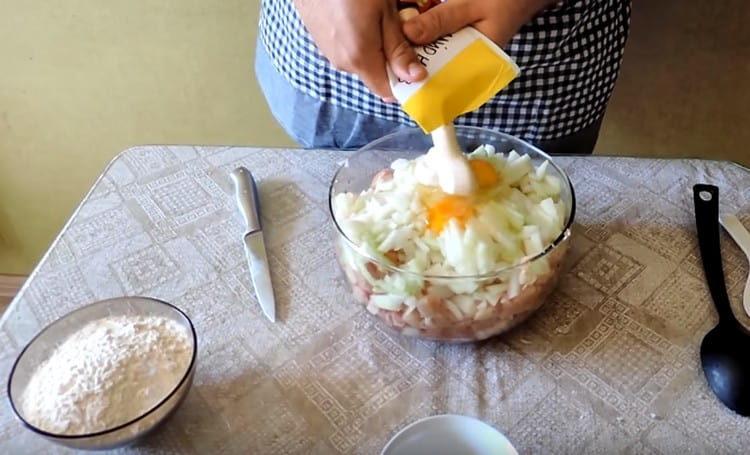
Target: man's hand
{"points": [[360, 37], [499, 20]]}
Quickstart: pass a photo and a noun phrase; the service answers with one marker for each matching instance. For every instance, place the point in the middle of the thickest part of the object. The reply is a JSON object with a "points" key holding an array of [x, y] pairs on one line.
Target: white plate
{"points": [[449, 435]]}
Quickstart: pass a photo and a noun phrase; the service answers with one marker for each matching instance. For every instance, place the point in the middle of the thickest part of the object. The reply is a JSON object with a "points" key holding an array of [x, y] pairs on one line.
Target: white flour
{"points": [[109, 372]]}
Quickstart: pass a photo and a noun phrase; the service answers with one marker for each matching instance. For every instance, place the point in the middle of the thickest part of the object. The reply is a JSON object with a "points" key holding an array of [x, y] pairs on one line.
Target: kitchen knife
{"points": [[740, 235], [246, 193]]}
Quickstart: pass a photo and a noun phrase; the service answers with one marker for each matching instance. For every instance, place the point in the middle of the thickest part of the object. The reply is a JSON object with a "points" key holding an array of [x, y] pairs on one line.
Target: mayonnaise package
{"points": [[465, 70]]}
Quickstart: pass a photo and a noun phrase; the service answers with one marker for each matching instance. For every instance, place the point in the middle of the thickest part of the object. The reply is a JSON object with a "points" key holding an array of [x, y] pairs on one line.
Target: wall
{"points": [[81, 80], [684, 88]]}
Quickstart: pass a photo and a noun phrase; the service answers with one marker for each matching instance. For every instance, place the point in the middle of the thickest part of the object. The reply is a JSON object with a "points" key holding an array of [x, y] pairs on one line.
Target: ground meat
{"points": [[436, 317]]}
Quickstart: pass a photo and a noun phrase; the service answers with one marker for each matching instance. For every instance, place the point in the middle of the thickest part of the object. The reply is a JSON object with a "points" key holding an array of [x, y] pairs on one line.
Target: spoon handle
{"points": [[741, 237], [706, 199]]}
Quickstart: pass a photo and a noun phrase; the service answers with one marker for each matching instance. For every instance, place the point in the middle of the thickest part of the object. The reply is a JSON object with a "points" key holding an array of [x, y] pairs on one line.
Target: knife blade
{"points": [[742, 238], [246, 194]]}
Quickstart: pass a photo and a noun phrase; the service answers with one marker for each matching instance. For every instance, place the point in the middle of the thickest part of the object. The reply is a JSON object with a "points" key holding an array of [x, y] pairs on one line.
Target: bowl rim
{"points": [[438, 417], [564, 233], [158, 405]]}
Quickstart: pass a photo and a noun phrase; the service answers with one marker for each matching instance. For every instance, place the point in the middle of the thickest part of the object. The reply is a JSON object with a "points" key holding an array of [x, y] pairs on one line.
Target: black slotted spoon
{"points": [[725, 350]]}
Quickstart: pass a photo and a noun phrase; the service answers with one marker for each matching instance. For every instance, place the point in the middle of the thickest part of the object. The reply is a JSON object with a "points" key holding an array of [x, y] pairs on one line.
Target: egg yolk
{"points": [[447, 208], [484, 172], [460, 208]]}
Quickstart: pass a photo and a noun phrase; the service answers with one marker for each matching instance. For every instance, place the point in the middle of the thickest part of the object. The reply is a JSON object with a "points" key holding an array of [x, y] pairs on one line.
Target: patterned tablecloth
{"points": [[609, 365]]}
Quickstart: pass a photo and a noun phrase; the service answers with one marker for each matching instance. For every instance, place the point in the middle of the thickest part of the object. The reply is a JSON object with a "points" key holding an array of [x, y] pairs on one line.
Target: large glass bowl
{"points": [[501, 299]]}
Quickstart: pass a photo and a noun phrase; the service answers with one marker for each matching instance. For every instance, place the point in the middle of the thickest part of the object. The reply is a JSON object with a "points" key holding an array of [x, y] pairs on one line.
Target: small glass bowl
{"points": [[41, 347], [502, 299]]}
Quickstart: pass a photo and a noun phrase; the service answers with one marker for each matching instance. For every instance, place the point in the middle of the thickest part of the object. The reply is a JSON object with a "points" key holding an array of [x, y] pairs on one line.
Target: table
{"points": [[609, 365]]}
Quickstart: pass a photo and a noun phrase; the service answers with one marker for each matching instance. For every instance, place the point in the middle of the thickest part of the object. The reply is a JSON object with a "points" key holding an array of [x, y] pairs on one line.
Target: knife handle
{"points": [[706, 200], [246, 194]]}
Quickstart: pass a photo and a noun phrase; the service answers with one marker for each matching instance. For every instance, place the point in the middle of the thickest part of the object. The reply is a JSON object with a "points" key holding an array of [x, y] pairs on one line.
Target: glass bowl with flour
{"points": [[106, 374]]}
